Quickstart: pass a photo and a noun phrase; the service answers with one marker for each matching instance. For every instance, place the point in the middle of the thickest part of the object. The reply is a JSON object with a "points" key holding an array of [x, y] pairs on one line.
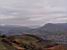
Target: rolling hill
{"points": [[57, 32], [28, 42]]}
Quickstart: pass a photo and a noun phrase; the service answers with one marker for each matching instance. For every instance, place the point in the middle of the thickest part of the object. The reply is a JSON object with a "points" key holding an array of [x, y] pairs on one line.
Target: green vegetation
{"points": [[28, 42], [31, 42]]}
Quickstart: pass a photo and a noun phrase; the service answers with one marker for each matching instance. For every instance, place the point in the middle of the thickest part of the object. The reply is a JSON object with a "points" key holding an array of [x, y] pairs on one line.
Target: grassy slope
{"points": [[32, 42], [27, 42], [4, 46]]}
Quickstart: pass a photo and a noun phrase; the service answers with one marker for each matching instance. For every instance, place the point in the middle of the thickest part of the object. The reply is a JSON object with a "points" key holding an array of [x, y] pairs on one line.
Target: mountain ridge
{"points": [[49, 31]]}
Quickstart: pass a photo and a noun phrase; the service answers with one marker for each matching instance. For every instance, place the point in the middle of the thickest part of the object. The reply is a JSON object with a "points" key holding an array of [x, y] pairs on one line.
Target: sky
{"points": [[32, 13]]}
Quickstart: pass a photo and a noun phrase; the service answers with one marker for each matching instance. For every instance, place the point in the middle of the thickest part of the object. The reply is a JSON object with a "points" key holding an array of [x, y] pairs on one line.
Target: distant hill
{"points": [[48, 28], [60, 27], [49, 31], [56, 32], [13, 30]]}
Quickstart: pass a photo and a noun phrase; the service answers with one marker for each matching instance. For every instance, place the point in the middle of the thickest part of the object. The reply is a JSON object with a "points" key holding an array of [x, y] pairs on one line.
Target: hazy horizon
{"points": [[33, 27]]}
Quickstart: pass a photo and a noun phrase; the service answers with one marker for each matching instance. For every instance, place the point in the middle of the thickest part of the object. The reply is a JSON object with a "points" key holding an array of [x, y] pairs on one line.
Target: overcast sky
{"points": [[32, 12]]}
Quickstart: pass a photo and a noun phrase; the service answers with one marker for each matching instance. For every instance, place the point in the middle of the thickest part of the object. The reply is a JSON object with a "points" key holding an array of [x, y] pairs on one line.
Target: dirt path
{"points": [[17, 47]]}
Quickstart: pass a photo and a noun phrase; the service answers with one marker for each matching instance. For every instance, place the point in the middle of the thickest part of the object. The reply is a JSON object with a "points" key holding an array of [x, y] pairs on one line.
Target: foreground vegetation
{"points": [[26, 42]]}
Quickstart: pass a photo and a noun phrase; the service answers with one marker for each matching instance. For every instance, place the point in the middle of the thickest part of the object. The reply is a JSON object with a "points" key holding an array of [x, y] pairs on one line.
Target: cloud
{"points": [[32, 12], [59, 20]]}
